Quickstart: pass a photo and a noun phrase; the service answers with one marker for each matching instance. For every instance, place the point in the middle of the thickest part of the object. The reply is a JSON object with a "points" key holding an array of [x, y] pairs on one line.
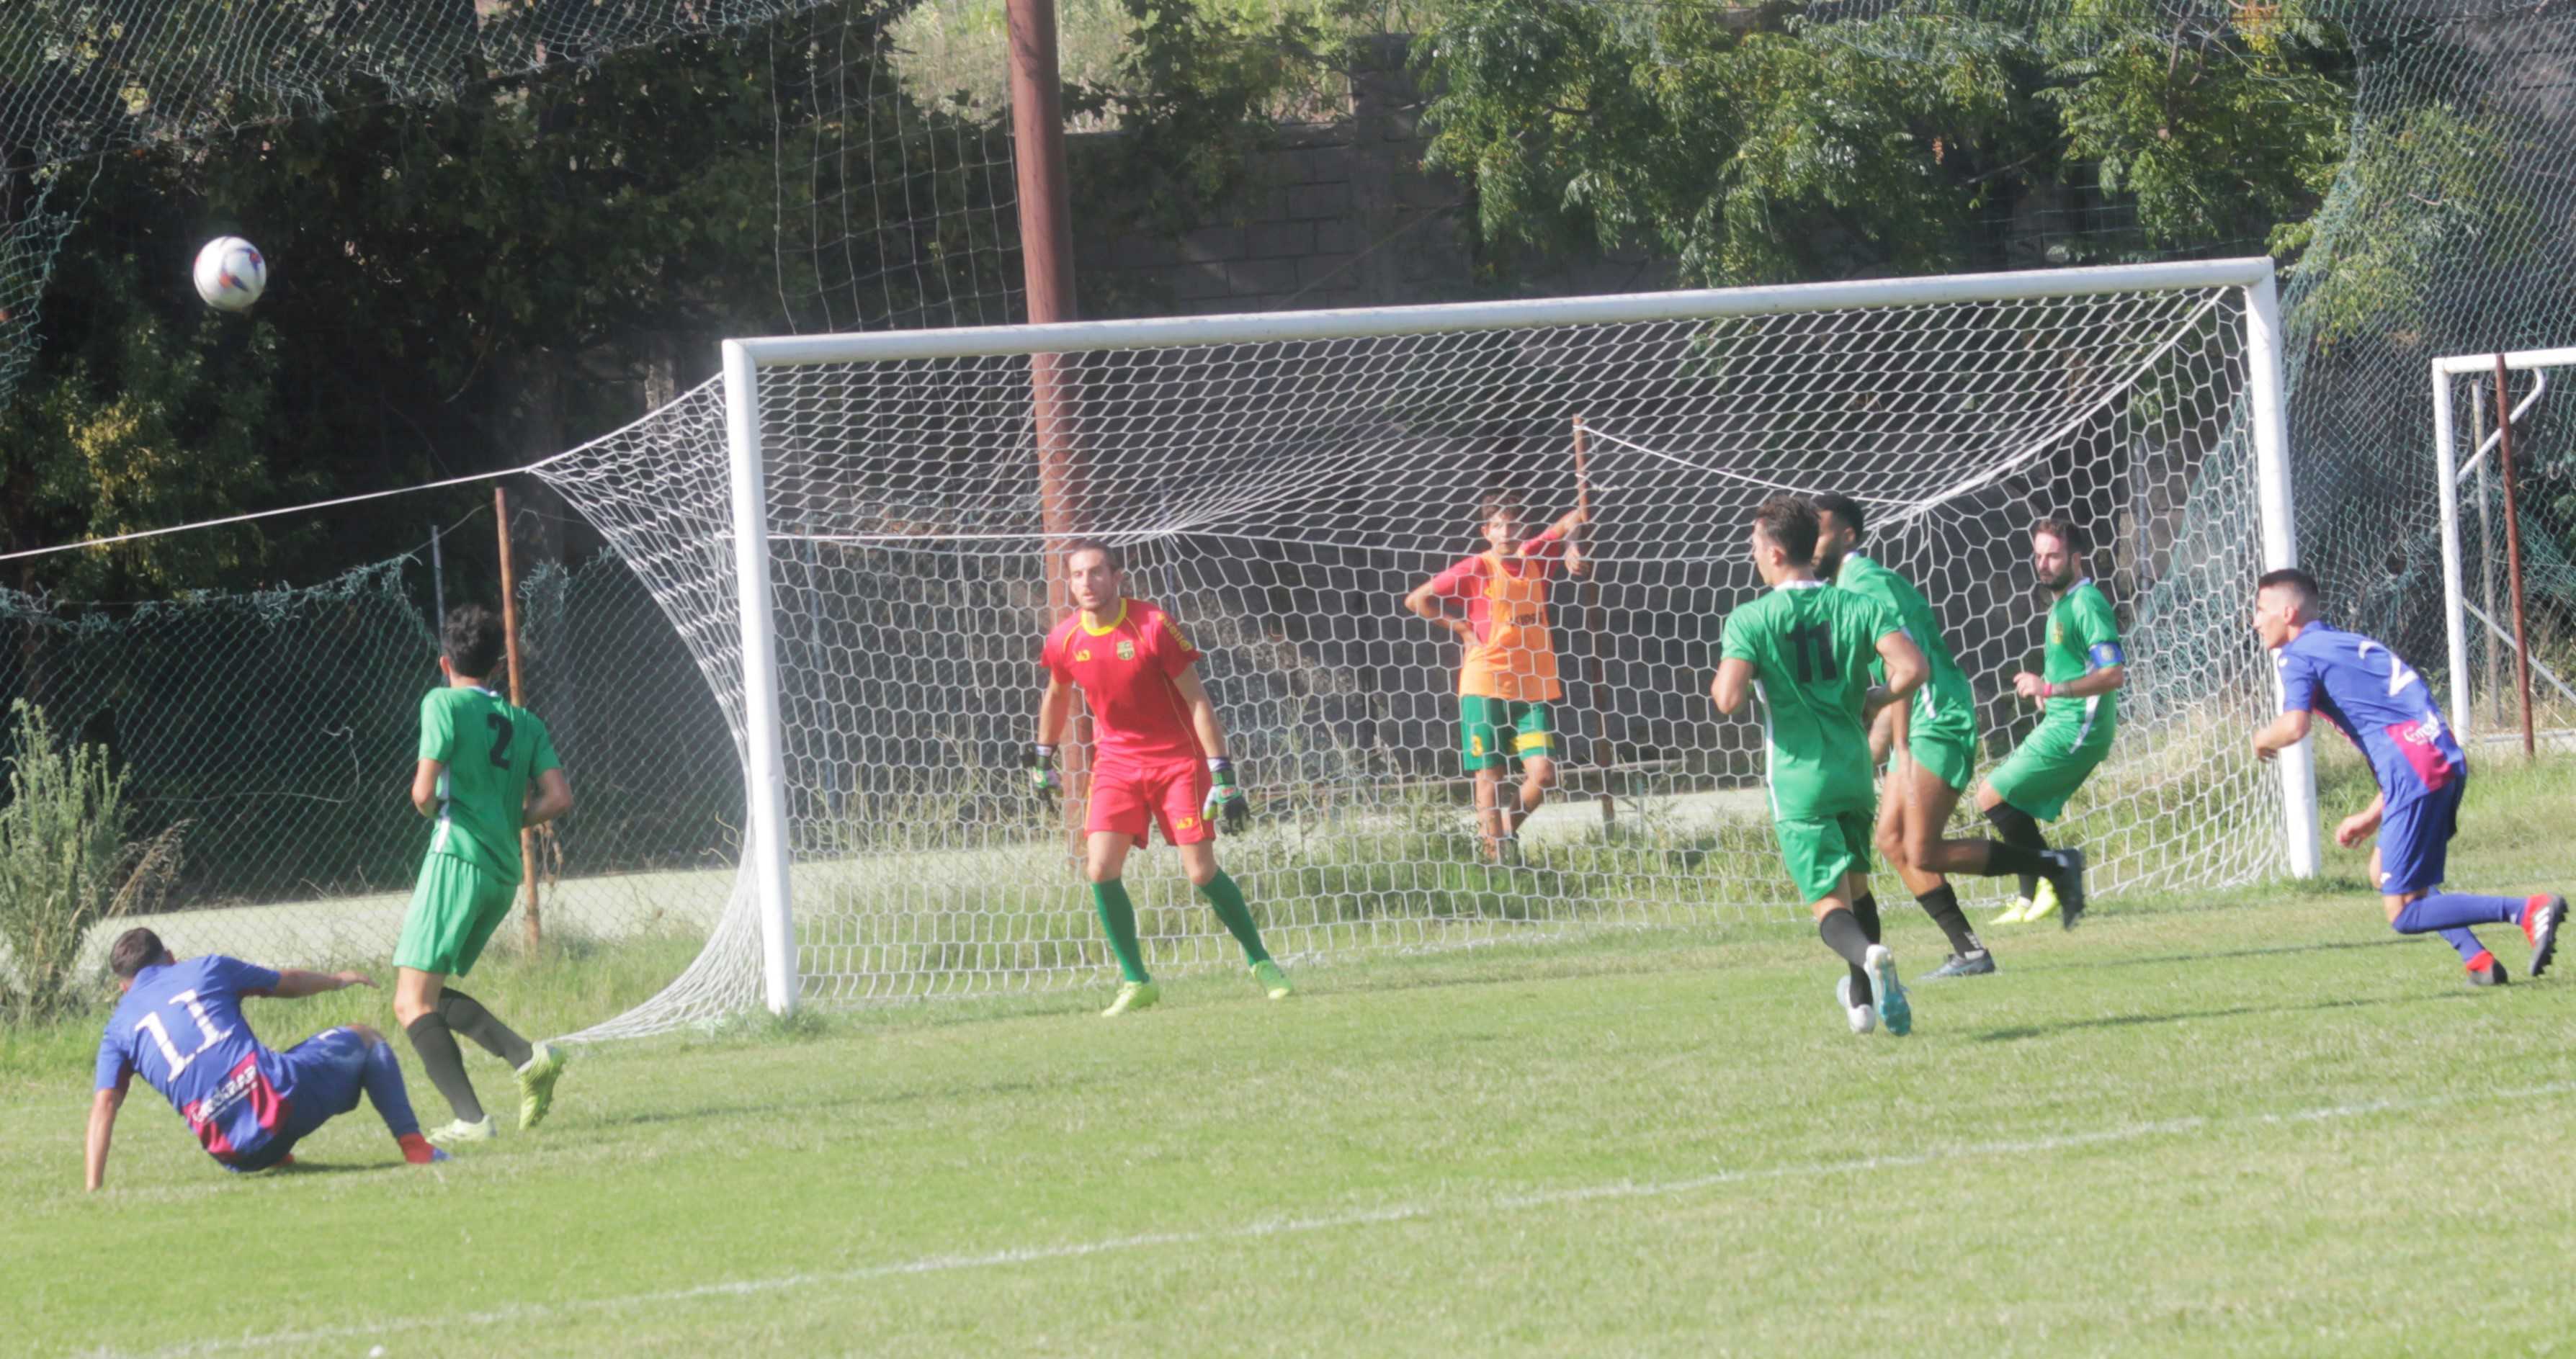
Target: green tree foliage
{"points": [[64, 865], [1758, 145]]}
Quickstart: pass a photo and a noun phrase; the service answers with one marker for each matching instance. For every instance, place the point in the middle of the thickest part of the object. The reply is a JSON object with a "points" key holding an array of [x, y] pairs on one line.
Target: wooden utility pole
{"points": [[1046, 265], [510, 631], [2513, 552]]}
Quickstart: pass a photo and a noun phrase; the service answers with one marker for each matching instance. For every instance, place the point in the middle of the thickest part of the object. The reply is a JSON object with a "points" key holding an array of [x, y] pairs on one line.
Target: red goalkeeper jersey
{"points": [[1126, 672]]}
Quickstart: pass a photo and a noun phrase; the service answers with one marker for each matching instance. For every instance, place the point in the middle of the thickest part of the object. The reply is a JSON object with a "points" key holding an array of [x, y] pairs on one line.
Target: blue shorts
{"points": [[325, 1076], [2415, 838]]}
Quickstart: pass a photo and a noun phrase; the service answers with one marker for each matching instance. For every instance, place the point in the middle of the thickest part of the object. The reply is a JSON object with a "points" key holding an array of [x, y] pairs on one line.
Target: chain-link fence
{"points": [[276, 731]]}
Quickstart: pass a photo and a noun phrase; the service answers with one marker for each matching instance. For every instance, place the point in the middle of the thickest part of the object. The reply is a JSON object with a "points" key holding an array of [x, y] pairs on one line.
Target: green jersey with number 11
{"points": [[1810, 649], [493, 750]]}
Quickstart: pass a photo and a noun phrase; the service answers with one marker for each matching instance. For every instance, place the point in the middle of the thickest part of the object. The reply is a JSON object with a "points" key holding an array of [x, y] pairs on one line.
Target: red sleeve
{"points": [[1546, 551], [1453, 583], [1051, 656], [1171, 646]]}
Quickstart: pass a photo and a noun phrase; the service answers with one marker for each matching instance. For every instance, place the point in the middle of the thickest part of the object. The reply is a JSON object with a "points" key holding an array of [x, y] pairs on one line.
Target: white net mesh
{"points": [[2542, 400], [1280, 497]]}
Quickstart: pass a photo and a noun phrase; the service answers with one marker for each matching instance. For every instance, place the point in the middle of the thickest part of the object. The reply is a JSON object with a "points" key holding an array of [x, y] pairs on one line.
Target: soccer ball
{"points": [[230, 273]]}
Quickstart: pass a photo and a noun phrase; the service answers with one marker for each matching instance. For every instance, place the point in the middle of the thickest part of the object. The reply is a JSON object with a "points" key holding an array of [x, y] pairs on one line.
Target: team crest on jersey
{"points": [[1083, 655], [1187, 822], [1126, 649], [2056, 635]]}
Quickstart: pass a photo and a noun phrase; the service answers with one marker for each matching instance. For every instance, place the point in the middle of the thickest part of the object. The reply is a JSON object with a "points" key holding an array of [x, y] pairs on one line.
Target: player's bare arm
{"points": [[1733, 685], [1425, 602], [424, 786], [1906, 668], [2283, 732], [102, 1131], [548, 798], [2361, 825], [294, 983], [1202, 710], [2106, 680]]}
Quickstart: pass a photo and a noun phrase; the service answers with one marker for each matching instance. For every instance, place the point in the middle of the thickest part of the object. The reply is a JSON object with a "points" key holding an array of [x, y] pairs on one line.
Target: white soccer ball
{"points": [[230, 273]]}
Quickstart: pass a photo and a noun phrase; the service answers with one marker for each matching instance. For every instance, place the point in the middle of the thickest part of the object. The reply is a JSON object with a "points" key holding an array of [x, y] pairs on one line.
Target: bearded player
{"points": [[180, 1028], [1807, 651], [1507, 678], [2081, 671], [1934, 744], [1159, 761], [2381, 705]]}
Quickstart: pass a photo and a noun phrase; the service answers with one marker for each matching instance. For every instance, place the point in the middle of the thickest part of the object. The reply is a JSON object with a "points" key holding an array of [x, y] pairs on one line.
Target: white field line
{"points": [[1270, 1227]]}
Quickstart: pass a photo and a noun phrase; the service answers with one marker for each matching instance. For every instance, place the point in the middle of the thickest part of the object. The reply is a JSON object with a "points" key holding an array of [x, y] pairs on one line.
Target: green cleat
{"points": [[461, 1131], [1272, 980], [2015, 913], [537, 1083], [1133, 996], [2043, 904], [1895, 1015]]}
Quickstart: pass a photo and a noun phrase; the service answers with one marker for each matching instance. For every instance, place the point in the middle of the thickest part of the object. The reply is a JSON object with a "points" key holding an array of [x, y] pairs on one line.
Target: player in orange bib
{"points": [[1158, 760], [1507, 678]]}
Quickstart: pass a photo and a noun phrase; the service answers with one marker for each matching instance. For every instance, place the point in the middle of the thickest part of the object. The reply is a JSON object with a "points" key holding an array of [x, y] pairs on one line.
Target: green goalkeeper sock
{"points": [[1118, 918], [1230, 908]]}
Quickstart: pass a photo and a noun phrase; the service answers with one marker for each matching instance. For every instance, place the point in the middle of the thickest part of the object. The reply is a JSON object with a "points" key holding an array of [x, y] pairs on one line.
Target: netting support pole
{"points": [[2446, 486], [1046, 268], [2513, 552], [764, 745], [536, 930], [2266, 406]]}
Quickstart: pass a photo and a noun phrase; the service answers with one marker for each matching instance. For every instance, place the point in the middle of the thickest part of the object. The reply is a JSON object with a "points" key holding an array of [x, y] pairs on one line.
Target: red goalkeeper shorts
{"points": [[1126, 797]]}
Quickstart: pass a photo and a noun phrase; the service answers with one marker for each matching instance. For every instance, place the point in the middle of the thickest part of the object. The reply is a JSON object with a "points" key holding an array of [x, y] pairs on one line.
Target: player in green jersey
{"points": [[487, 768], [1934, 744], [2081, 672], [1808, 651]]}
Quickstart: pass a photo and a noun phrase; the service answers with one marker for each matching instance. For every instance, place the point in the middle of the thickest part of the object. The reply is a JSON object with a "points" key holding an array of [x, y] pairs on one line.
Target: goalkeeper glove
{"points": [[1225, 797], [1042, 776]]}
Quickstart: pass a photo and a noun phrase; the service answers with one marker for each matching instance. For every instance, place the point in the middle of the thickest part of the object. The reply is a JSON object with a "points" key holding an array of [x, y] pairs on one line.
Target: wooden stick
{"points": [[1589, 602], [510, 632], [2513, 551]]}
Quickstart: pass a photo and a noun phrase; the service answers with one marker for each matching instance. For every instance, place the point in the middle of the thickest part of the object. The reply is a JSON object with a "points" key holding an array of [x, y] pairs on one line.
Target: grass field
{"points": [[2244, 1123]]}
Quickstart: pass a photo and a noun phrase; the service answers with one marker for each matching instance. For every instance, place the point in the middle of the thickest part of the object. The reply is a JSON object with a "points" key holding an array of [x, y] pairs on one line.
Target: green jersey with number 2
{"points": [[1811, 648], [493, 751]]}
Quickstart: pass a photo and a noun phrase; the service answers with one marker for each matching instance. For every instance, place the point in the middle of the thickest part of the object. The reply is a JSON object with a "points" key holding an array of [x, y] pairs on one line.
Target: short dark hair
{"points": [[1498, 503], [1081, 545], [135, 950], [473, 640], [1843, 508], [1791, 522], [2293, 579], [2062, 529]]}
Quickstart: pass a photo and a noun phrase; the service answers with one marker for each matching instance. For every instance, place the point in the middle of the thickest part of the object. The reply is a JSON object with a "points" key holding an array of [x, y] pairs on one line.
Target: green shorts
{"points": [[1533, 730], [2050, 766], [1820, 850], [454, 909], [1948, 749]]}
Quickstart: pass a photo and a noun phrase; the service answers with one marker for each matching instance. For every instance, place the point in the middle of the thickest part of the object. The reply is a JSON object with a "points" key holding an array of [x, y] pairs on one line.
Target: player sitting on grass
{"points": [[486, 769], [1934, 741], [1161, 761], [2082, 670], [1507, 676], [2381, 705], [1808, 650], [180, 1026]]}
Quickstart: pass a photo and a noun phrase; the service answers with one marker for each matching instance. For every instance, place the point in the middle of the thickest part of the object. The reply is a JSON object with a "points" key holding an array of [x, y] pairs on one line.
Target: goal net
{"points": [[1279, 482], [2477, 630]]}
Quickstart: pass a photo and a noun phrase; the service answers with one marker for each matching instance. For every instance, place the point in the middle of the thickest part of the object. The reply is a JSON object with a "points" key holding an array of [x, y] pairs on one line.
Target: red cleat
{"points": [[2541, 917], [417, 1150], [2484, 970]]}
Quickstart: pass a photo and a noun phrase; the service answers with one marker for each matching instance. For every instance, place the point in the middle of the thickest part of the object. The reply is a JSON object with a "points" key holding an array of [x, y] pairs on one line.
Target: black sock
{"points": [[1865, 910], [1942, 904], [466, 1015], [445, 1064], [2022, 831], [1844, 936], [2002, 858]]}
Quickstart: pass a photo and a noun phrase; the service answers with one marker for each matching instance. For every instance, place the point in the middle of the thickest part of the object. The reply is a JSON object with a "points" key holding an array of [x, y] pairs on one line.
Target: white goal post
{"points": [[854, 547], [2462, 620]]}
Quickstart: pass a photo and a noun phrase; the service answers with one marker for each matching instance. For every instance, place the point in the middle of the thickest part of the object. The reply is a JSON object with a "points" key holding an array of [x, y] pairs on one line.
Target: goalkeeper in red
{"points": [[486, 768], [1807, 651], [1159, 761], [2381, 705]]}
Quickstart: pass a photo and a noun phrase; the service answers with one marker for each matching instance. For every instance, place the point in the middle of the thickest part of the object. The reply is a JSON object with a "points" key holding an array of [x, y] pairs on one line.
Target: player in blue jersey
{"points": [[2382, 706], [180, 1028]]}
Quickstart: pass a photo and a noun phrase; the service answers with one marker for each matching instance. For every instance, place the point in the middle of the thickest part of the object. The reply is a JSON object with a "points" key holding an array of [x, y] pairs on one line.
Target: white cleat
{"points": [[1861, 1017]]}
